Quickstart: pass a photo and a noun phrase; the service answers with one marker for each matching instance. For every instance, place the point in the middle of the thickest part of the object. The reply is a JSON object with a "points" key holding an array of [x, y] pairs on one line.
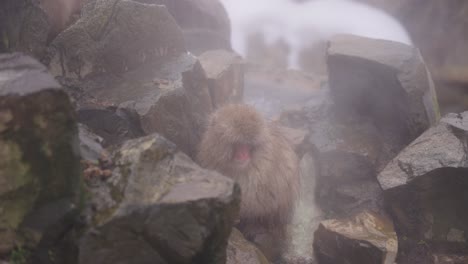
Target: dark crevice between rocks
{"points": [[112, 124], [431, 204]]}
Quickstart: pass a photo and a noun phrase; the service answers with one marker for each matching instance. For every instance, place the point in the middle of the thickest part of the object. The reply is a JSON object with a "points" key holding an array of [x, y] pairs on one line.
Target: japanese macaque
{"points": [[242, 145], [60, 12]]}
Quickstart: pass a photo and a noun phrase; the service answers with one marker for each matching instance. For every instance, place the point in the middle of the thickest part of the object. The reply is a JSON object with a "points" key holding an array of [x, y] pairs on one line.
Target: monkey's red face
{"points": [[242, 153]]}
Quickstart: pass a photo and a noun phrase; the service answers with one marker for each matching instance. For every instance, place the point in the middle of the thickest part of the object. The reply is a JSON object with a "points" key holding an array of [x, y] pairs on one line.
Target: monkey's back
{"points": [[270, 191]]}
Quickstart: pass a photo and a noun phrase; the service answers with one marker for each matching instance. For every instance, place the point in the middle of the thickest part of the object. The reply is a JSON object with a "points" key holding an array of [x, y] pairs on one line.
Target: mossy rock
{"points": [[39, 169]]}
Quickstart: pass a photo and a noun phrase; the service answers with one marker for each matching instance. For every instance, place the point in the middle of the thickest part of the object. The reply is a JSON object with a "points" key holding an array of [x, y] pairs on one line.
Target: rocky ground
{"points": [[99, 127]]}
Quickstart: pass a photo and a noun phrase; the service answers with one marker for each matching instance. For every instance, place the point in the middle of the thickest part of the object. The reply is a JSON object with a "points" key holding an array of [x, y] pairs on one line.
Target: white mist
{"points": [[302, 24]]}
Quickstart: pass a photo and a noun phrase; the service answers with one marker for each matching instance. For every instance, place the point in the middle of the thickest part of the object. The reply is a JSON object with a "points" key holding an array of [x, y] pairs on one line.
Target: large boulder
{"points": [[115, 37], [384, 80], [128, 71], [39, 168], [425, 185], [160, 207], [380, 98]]}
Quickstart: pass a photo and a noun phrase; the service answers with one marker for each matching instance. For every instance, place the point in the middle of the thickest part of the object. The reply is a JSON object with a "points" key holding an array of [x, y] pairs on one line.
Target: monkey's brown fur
{"points": [[270, 182]]}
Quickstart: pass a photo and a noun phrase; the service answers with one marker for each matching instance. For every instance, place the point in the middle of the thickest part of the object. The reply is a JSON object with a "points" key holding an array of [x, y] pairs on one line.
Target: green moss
{"points": [[13, 171], [42, 164], [20, 256], [16, 205]]}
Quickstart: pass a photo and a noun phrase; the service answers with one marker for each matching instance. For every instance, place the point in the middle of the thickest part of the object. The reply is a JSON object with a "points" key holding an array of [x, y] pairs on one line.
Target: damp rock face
{"points": [[379, 98], [365, 239], [39, 165], [24, 27], [225, 73], [383, 80], [425, 185], [160, 207], [114, 37], [129, 73]]}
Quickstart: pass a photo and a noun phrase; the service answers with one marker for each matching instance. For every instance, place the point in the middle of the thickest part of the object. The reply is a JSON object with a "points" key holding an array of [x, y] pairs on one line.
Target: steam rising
{"points": [[301, 24]]}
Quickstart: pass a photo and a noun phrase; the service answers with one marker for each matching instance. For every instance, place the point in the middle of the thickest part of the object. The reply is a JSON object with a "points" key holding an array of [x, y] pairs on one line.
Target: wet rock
{"points": [[39, 168], [160, 207], [241, 251], [115, 37], [24, 27], [128, 81], [385, 81], [177, 110], [443, 146], [425, 185], [225, 74], [379, 98], [366, 238]]}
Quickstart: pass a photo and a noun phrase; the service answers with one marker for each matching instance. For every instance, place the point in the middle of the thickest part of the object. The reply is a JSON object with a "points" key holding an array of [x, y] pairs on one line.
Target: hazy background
{"points": [[300, 25]]}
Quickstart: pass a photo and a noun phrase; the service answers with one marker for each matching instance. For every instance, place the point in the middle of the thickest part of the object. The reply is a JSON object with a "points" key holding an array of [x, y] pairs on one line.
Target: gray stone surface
{"points": [[159, 207], [39, 168], [425, 185], [129, 74]]}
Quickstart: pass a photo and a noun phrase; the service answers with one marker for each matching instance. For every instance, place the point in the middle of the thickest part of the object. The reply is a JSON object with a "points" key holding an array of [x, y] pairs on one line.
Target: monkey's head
{"points": [[237, 133]]}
